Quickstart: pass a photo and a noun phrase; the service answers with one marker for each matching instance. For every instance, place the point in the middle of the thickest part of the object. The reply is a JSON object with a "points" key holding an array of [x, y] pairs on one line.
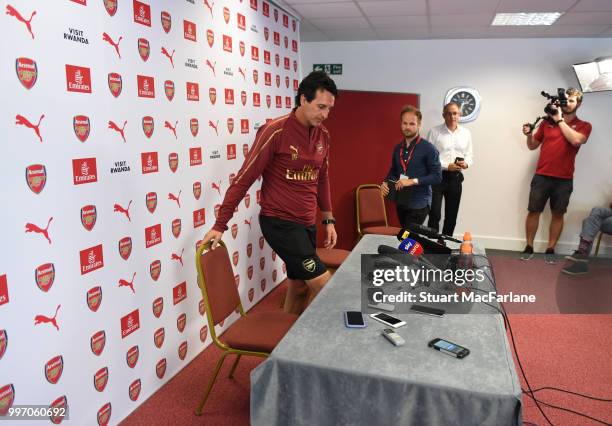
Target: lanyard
{"points": [[403, 153]]}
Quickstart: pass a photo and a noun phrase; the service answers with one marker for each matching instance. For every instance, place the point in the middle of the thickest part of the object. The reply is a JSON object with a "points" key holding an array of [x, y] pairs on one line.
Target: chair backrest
{"points": [[370, 206], [217, 282]]}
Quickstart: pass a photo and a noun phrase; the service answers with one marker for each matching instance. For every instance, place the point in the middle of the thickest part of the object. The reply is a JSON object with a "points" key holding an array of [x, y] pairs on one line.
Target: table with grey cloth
{"points": [[323, 373]]}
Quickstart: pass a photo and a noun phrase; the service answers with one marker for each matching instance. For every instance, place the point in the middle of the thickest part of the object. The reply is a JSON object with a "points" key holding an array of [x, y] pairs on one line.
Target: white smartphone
{"points": [[388, 320]]}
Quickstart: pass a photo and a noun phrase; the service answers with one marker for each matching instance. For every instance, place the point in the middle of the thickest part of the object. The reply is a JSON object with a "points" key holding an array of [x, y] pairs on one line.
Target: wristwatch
{"points": [[416, 181], [328, 221]]}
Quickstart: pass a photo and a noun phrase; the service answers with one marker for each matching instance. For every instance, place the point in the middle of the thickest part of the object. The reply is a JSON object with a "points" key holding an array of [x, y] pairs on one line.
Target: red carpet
{"points": [[556, 350]]}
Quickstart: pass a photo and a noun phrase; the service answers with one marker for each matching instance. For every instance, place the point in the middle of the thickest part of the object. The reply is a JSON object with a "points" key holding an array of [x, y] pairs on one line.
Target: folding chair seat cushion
{"points": [[381, 230], [259, 331]]}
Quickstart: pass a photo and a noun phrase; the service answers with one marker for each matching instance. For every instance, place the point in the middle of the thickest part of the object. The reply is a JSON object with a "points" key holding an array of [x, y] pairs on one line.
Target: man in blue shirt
{"points": [[415, 166]]}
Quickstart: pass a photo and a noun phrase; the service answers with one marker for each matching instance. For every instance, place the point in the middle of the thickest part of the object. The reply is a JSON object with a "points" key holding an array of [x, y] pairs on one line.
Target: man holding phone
{"points": [[454, 143], [415, 166]]}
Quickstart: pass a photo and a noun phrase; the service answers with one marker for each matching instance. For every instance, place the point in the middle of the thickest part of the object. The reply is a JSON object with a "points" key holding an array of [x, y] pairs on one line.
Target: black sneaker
{"points": [[576, 268], [527, 253], [578, 257], [549, 257]]}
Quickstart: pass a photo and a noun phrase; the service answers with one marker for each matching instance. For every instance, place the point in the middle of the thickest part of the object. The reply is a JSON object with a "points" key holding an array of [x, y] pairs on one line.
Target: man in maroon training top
{"points": [[291, 153]]}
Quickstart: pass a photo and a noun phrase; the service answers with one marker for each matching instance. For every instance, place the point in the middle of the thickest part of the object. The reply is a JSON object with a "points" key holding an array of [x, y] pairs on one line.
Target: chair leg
{"points": [[211, 382], [598, 243], [231, 374]]}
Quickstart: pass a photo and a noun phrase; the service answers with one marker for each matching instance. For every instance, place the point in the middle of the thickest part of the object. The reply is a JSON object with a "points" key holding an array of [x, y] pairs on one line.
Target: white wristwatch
{"points": [[416, 181]]}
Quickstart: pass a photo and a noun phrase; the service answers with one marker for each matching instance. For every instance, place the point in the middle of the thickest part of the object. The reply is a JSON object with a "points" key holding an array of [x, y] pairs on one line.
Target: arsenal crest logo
{"points": [[235, 256], [293, 24], [97, 342], [166, 21], [200, 307], [255, 76], [158, 307], [277, 59], [249, 249], [275, 15], [287, 82], [144, 49], [182, 350], [250, 272], [268, 100], [262, 263], [243, 97], [180, 322], [132, 356], [94, 298], [234, 232], [115, 84], [88, 217], [210, 37], [45, 275], [151, 201], [203, 333], [197, 190], [261, 243], [176, 227], [148, 125], [53, 369], [294, 66], [274, 275], [60, 403], [212, 94], [155, 269], [245, 149], [125, 247], [247, 200], [226, 15], [230, 125], [101, 379], [242, 47], [27, 72], [36, 177], [262, 284], [237, 280], [104, 414], [273, 256], [134, 389], [251, 294], [160, 368], [286, 42], [266, 33], [284, 268], [7, 399], [194, 125], [173, 161], [81, 126], [159, 336], [110, 6], [169, 89], [277, 80]]}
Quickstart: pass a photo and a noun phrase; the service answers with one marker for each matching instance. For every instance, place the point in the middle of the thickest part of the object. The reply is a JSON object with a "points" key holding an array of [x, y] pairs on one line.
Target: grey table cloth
{"points": [[323, 373]]}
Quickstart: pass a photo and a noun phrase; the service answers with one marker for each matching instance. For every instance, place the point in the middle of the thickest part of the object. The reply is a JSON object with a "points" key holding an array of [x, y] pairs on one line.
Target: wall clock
{"points": [[468, 100]]}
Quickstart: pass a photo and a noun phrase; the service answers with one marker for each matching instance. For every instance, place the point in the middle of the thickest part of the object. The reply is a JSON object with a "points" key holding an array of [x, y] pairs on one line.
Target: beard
{"points": [[409, 135]]}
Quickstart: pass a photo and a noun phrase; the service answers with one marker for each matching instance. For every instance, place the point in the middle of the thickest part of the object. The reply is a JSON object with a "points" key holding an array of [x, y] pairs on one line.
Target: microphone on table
{"points": [[430, 232], [429, 247], [406, 257]]}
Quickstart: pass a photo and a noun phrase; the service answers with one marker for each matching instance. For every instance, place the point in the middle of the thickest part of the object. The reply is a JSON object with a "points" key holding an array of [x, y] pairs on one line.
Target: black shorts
{"points": [[545, 187], [295, 244]]}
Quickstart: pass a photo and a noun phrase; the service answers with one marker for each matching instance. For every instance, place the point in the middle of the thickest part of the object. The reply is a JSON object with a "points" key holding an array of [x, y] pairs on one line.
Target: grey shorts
{"points": [[544, 188]]}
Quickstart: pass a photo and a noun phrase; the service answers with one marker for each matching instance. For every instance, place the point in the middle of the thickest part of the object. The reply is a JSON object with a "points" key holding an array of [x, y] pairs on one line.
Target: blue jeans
{"points": [[600, 219]]}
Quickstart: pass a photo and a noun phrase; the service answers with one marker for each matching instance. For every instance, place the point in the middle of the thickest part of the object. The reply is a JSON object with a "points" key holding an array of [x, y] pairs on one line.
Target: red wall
{"points": [[364, 127]]}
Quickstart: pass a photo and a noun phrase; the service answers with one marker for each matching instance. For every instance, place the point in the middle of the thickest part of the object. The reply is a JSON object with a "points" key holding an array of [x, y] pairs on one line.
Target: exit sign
{"points": [[328, 68]]}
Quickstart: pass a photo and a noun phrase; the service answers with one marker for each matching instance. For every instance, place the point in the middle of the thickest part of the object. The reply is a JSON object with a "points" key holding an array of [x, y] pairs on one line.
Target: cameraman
{"points": [[560, 136]]}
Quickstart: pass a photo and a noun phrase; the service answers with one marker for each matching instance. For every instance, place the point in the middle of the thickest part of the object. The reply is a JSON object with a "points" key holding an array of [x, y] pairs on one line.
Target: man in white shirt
{"points": [[454, 143]]}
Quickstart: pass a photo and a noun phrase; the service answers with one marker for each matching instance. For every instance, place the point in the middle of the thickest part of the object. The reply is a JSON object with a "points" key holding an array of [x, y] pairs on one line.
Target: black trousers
{"points": [[450, 190], [407, 216]]}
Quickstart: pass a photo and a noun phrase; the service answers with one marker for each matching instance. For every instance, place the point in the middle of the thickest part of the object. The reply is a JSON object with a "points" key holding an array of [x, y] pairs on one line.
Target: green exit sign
{"points": [[335, 69]]}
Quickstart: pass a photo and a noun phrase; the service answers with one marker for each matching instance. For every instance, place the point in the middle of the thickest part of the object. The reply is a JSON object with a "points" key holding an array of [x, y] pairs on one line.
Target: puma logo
{"points": [[20, 120], [211, 66], [110, 41], [209, 6], [294, 152], [176, 198], [30, 227], [169, 56], [130, 284], [10, 10], [217, 187], [112, 125], [41, 319], [241, 71], [177, 257], [214, 126], [168, 125], [126, 212], [248, 222]]}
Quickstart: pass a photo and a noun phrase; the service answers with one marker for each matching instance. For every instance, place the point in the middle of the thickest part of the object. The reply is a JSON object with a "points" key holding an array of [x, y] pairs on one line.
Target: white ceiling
{"points": [[323, 20]]}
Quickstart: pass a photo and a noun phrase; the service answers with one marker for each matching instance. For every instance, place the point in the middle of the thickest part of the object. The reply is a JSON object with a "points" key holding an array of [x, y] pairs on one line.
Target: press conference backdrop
{"points": [[123, 124]]}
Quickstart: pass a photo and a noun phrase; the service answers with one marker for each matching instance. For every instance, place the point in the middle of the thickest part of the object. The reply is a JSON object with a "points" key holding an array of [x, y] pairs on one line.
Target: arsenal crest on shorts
{"points": [[27, 72], [36, 177], [81, 127]]}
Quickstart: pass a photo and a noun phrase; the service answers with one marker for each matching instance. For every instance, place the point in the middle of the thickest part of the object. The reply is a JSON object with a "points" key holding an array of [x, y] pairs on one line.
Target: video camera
{"points": [[555, 101]]}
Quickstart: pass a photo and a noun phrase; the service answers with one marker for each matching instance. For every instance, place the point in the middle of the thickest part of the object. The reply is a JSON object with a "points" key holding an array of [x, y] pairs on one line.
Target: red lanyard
{"points": [[402, 151]]}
